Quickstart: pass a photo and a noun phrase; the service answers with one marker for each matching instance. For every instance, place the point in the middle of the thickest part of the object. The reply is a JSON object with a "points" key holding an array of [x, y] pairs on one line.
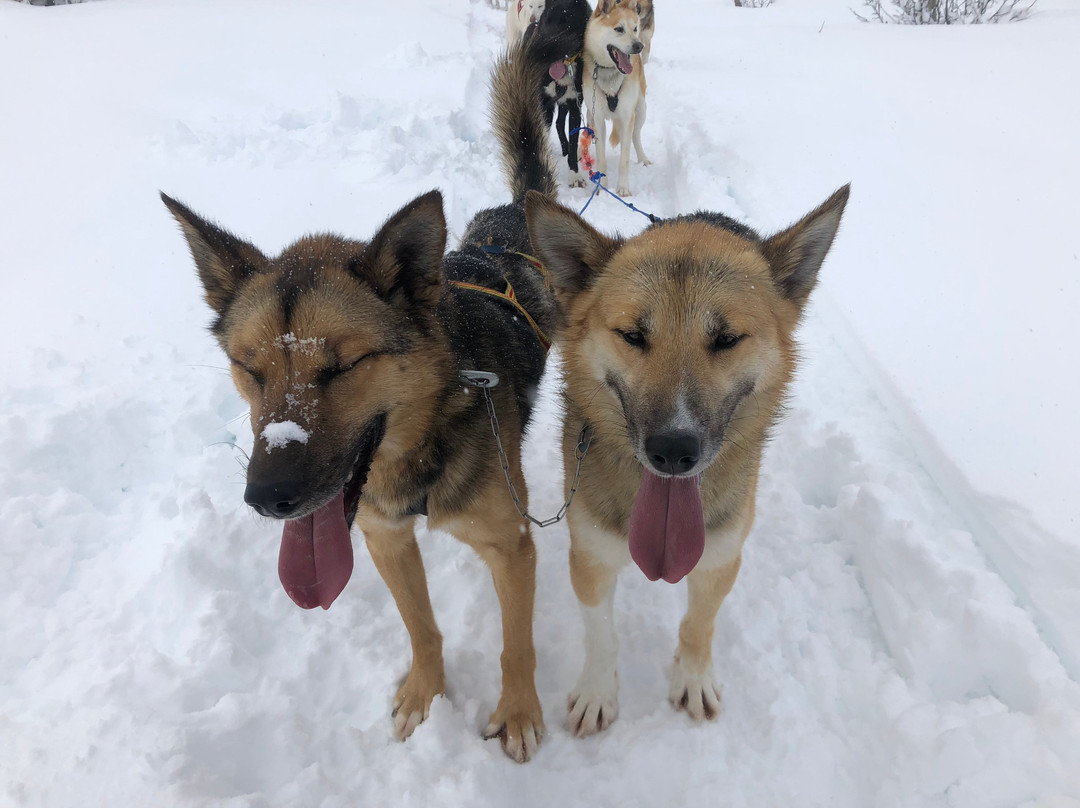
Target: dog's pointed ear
{"points": [[571, 251], [404, 259], [222, 259], [795, 255]]}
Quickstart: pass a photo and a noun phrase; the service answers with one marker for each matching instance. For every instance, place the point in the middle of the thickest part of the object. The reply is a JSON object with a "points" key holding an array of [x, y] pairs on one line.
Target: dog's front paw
{"points": [[412, 704], [697, 693], [520, 728], [623, 190], [645, 161], [593, 705], [577, 180]]}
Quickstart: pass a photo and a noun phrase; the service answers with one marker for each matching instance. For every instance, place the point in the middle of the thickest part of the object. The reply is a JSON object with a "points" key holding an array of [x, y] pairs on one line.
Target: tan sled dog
{"points": [[353, 358], [613, 85], [647, 27], [678, 351]]}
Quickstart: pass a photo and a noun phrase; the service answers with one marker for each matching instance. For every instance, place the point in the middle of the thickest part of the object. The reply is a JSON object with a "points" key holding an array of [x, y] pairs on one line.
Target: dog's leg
{"points": [[503, 540], [600, 140], [574, 112], [693, 685], [396, 555], [560, 128], [639, 121], [624, 159], [594, 702]]}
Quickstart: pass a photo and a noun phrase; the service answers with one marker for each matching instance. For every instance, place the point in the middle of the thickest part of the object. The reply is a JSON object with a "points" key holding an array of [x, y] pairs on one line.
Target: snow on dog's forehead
{"points": [[306, 346]]}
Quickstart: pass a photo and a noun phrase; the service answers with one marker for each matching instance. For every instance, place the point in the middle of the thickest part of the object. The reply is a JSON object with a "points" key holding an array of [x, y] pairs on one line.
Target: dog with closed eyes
{"points": [[354, 356]]}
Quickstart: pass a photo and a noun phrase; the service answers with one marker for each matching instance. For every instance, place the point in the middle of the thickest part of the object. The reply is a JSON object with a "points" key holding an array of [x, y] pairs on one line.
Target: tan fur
{"points": [[615, 23], [290, 324], [647, 15], [682, 286]]}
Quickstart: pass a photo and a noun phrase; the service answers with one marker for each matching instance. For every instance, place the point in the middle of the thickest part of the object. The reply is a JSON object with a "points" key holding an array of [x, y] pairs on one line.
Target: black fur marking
{"points": [[613, 381], [612, 102], [291, 286], [418, 508], [732, 401], [717, 220]]}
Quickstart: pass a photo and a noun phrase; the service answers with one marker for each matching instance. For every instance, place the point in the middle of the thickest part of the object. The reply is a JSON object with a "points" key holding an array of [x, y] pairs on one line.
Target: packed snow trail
{"points": [[869, 653]]}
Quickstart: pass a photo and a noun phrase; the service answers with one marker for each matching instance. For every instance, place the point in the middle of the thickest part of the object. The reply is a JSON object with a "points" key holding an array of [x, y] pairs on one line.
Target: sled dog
{"points": [[351, 355], [647, 27], [613, 84], [677, 352], [565, 19], [520, 14]]}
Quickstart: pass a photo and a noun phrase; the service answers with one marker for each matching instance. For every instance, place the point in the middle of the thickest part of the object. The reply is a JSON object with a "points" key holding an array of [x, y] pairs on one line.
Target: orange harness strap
{"points": [[511, 298]]}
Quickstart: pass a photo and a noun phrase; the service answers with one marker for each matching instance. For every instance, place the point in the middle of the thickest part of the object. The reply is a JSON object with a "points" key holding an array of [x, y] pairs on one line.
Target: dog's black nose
{"points": [[637, 47], [673, 453], [276, 500]]}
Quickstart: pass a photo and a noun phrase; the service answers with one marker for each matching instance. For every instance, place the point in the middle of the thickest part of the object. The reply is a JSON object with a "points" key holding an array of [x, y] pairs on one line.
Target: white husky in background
{"points": [[519, 14]]}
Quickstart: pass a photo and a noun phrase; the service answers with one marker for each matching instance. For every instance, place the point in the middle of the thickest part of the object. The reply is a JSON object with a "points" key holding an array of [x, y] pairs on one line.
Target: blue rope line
{"points": [[596, 187], [595, 178]]}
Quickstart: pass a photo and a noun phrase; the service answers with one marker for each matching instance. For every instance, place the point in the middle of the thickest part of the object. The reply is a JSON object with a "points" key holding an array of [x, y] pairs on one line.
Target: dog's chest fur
{"points": [[609, 82], [567, 88]]}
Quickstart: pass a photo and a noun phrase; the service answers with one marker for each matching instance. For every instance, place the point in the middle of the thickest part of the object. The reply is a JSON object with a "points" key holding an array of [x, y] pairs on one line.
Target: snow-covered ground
{"points": [[905, 628]]}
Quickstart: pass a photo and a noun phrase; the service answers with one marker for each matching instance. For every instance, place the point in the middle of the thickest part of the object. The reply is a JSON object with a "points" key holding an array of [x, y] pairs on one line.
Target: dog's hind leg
{"points": [[693, 686], [396, 555], [639, 121]]}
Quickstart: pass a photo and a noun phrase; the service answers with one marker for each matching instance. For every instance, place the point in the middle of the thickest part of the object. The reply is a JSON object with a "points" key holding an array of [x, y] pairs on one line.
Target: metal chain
{"points": [[485, 381]]}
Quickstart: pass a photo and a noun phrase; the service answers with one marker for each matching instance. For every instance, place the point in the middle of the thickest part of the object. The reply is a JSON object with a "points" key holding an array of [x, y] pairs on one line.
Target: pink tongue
{"points": [[622, 61], [316, 558], [667, 526], [557, 70]]}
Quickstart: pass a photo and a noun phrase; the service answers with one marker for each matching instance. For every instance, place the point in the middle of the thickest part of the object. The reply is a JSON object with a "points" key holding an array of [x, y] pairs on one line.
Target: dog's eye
{"points": [[620, 30], [724, 342], [328, 374], [257, 377], [634, 338]]}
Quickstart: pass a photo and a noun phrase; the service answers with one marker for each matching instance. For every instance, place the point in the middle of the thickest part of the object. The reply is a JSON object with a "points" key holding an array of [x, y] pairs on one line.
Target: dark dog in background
{"points": [[564, 22]]}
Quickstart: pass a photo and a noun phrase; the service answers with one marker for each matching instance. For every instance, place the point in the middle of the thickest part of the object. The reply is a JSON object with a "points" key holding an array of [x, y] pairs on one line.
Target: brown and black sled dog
{"points": [[350, 354], [677, 354]]}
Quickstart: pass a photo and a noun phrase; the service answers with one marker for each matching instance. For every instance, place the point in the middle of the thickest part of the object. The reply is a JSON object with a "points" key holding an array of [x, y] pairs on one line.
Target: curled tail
{"points": [[519, 121]]}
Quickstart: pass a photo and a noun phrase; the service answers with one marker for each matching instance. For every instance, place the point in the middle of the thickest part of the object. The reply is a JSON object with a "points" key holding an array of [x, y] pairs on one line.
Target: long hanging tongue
{"points": [[557, 70], [622, 61], [667, 526], [316, 558]]}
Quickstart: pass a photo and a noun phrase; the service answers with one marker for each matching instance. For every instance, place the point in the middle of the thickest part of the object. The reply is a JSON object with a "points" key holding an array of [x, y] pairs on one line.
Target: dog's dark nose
{"points": [[637, 47], [276, 500], [673, 453]]}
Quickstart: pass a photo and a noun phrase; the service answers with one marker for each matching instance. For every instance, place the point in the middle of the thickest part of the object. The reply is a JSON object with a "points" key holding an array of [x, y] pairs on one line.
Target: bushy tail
{"points": [[518, 119]]}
